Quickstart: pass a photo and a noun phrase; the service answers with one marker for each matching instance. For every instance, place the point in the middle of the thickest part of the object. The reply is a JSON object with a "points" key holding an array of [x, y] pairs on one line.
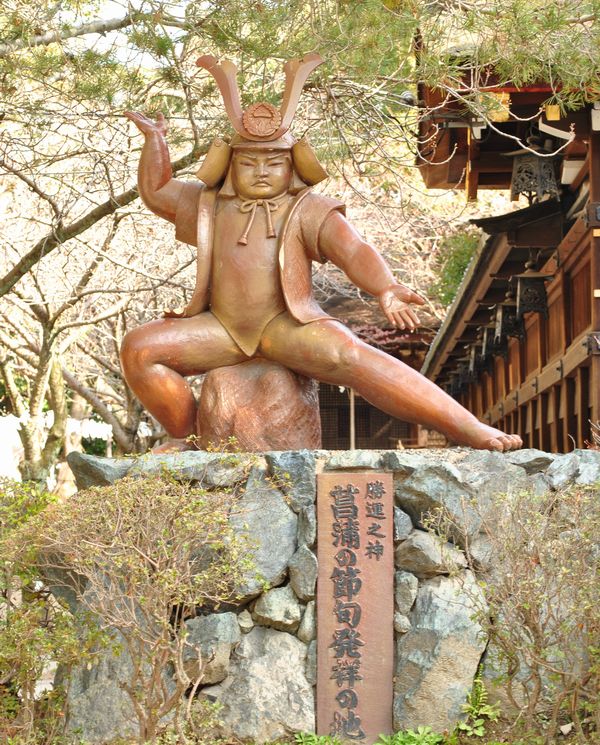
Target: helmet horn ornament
{"points": [[261, 122]]}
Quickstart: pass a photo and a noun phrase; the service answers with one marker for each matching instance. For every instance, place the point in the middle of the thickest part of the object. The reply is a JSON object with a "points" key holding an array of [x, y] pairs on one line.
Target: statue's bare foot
{"points": [[483, 437], [173, 446]]}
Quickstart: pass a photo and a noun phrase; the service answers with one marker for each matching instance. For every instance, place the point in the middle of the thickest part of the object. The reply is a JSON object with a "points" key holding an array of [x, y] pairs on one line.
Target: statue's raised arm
{"points": [[159, 190]]}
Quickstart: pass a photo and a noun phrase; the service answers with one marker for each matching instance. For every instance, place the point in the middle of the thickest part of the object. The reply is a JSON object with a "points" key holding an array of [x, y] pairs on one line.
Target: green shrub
{"points": [[478, 710], [541, 610], [139, 557], [456, 251], [420, 736], [36, 631]]}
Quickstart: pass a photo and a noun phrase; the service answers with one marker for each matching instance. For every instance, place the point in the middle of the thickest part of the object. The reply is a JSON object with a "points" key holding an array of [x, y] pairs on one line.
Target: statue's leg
{"points": [[329, 352], [157, 356]]}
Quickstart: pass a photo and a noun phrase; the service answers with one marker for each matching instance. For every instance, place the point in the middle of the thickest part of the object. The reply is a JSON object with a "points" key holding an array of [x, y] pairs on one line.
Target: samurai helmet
{"points": [[261, 125]]}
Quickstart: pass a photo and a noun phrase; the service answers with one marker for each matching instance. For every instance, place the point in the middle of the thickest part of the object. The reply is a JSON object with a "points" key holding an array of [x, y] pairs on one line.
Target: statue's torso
{"points": [[245, 283]]}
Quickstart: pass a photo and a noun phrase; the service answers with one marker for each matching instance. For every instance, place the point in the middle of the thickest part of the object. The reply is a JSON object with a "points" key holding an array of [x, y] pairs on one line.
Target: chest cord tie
{"points": [[250, 206]]}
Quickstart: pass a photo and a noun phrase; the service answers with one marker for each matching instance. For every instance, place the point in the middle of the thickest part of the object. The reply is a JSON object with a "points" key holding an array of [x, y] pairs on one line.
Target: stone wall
{"points": [[259, 657]]}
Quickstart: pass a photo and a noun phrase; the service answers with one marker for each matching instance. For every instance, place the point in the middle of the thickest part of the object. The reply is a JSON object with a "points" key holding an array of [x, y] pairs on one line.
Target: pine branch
{"points": [[93, 27], [51, 37]]}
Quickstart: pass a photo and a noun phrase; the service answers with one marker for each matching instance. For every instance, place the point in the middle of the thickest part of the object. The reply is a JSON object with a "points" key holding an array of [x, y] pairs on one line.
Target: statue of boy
{"points": [[258, 227]]}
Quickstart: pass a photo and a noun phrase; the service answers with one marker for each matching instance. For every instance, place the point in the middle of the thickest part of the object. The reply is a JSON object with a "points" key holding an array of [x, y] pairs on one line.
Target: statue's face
{"points": [[261, 174]]}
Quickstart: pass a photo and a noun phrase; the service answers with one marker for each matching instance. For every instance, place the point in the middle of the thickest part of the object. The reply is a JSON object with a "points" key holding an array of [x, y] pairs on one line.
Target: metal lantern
{"points": [[487, 343], [475, 360], [472, 360], [454, 385], [531, 291], [507, 323], [464, 376], [533, 176]]}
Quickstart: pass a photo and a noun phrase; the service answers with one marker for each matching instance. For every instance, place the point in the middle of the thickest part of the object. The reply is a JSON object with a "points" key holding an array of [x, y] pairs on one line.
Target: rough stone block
{"points": [[462, 489], [532, 460], [207, 469], [589, 467], [439, 486], [403, 462], [263, 515], [90, 470], [266, 695], [307, 631], [307, 526], [245, 621], [354, 459], [279, 609], [405, 591], [209, 643], [402, 525], [295, 474], [423, 555], [563, 470], [401, 624], [438, 657], [98, 709], [303, 573]]}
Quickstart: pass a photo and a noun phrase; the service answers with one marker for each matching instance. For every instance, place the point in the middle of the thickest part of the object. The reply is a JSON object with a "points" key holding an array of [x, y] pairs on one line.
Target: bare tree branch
{"points": [[89, 272], [62, 234], [34, 187], [111, 311], [16, 399], [122, 437]]}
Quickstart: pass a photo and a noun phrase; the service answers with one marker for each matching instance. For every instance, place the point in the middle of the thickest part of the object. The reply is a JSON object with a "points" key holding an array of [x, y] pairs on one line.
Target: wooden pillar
{"points": [[542, 347], [544, 442], [472, 169], [567, 414], [581, 405], [530, 426], [553, 402], [595, 278], [517, 429]]}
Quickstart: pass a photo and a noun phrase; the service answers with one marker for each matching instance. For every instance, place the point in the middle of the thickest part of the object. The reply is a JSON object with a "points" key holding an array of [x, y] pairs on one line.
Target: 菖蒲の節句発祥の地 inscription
{"points": [[355, 596]]}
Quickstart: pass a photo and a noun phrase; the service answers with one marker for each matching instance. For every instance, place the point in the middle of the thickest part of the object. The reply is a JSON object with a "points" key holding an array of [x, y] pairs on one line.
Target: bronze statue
{"points": [[258, 227]]}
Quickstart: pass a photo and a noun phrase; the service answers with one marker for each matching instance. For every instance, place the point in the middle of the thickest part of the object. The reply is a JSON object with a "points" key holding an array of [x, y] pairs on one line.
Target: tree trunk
{"points": [[41, 453]]}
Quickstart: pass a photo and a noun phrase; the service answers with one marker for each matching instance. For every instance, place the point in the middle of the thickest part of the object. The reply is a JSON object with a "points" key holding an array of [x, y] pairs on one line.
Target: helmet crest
{"points": [[261, 122]]}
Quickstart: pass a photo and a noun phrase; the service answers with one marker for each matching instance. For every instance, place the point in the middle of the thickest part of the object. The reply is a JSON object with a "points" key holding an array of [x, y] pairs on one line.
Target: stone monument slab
{"points": [[355, 605]]}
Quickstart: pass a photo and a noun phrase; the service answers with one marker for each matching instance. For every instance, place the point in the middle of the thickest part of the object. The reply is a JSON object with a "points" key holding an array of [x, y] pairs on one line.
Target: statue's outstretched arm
{"points": [[159, 190], [340, 243]]}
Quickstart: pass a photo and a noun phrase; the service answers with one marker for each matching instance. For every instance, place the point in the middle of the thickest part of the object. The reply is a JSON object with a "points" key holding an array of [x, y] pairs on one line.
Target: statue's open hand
{"points": [[394, 302], [146, 125]]}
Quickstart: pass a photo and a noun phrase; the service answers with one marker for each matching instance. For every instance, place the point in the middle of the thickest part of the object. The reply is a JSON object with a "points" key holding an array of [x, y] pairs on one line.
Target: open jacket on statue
{"points": [[258, 227]]}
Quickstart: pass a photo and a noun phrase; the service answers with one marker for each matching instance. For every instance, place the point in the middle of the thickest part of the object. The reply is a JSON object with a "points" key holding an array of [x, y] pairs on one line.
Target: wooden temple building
{"points": [[520, 346]]}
